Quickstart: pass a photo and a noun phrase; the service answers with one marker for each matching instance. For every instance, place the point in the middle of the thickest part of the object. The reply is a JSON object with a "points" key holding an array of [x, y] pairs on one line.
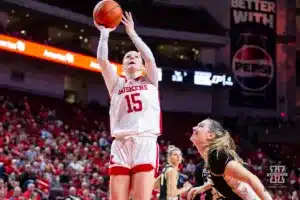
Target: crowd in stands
{"points": [[52, 150]]}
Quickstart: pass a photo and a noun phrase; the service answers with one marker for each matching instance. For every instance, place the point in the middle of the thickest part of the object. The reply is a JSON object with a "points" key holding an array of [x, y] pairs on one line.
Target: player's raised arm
{"points": [[146, 53], [109, 75]]}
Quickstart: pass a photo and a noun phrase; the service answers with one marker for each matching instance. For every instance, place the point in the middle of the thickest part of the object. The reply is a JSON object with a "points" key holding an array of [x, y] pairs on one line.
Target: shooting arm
{"points": [[109, 75]]}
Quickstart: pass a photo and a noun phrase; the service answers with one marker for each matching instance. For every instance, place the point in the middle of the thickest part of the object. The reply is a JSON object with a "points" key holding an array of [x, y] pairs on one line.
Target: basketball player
{"points": [[134, 117], [228, 176], [168, 181], [202, 177]]}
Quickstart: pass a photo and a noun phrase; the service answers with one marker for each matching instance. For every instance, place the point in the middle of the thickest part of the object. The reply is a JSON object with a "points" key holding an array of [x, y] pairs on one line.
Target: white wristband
{"points": [[102, 50]]}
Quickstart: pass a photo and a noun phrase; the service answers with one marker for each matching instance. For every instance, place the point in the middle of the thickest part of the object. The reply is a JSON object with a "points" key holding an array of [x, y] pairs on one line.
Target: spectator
{"points": [[16, 194], [103, 140], [30, 193], [190, 167], [31, 153], [86, 195], [73, 194], [84, 186], [27, 176], [3, 195]]}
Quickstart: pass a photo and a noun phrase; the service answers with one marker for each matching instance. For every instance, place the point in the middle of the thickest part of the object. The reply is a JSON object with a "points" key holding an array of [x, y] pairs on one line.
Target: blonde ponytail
{"points": [[223, 141]]}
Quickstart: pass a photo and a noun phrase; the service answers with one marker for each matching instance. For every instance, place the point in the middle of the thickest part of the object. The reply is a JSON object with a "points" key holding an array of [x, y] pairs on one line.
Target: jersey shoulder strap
{"points": [[167, 168], [164, 176]]}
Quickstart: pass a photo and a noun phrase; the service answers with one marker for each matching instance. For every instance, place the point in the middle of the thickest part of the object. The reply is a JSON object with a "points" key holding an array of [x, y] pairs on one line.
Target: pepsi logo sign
{"points": [[253, 68]]}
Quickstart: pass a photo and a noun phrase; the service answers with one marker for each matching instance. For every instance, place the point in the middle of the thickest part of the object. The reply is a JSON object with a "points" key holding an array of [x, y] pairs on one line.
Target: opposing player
{"points": [[168, 182], [134, 117], [227, 174]]}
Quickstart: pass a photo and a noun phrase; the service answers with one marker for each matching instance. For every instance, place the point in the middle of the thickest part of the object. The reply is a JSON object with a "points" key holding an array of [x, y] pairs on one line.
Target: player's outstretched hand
{"points": [[128, 22], [102, 28], [187, 185], [193, 192]]}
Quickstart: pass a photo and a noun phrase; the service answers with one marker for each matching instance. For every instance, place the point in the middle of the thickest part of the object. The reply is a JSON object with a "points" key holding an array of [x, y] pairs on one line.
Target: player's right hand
{"points": [[102, 28], [187, 185], [193, 192]]}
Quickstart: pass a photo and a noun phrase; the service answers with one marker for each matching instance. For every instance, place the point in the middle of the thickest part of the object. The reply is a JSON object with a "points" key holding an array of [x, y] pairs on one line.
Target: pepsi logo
{"points": [[253, 68]]}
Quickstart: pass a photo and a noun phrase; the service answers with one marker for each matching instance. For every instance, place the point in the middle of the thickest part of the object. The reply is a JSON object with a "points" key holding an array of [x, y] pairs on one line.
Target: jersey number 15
{"points": [[133, 103]]}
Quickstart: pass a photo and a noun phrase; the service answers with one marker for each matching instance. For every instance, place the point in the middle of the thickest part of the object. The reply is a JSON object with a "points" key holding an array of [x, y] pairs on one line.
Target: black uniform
{"points": [[217, 166], [201, 175], [163, 183]]}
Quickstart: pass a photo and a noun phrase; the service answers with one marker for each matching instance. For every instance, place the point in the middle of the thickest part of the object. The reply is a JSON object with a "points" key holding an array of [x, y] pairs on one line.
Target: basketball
{"points": [[108, 13]]}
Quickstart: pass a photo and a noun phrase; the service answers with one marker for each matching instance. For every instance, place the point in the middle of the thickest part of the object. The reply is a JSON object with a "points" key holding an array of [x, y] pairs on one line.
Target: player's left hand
{"points": [[127, 20], [193, 192], [102, 28]]}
